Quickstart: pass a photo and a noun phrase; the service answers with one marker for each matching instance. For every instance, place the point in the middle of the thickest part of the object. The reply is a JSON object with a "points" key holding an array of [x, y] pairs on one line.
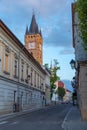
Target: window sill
{"points": [[26, 81], [16, 77], [22, 80], [7, 73]]}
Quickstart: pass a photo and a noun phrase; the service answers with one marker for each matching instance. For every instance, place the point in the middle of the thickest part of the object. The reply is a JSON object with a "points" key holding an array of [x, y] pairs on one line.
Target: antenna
{"points": [[33, 11]]}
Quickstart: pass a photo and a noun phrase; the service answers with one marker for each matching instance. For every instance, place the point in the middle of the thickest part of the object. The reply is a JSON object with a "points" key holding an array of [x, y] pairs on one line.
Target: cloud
{"points": [[53, 17], [59, 34], [66, 51], [45, 7]]}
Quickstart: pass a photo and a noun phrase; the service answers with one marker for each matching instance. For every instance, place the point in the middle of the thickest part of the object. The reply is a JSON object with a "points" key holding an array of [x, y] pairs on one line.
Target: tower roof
{"points": [[40, 33], [26, 32], [33, 26], [60, 84]]}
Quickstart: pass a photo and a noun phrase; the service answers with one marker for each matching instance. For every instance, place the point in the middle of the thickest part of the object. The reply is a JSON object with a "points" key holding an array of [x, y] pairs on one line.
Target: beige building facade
{"points": [[80, 65], [47, 87], [82, 89], [22, 79]]}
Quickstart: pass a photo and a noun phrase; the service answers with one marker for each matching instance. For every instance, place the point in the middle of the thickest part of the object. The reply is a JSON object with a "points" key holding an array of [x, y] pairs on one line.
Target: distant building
{"points": [[55, 96], [68, 95]]}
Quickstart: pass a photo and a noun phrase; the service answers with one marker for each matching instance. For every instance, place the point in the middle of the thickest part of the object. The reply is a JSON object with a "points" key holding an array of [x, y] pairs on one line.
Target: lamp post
{"points": [[72, 63], [73, 82]]}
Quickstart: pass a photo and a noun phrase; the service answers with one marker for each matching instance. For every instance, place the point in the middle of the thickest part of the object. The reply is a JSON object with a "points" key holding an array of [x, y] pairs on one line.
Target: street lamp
{"points": [[73, 82], [72, 63]]}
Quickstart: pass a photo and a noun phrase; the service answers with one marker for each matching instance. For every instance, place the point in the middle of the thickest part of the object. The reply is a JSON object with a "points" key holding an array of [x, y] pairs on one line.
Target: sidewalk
{"points": [[73, 120], [15, 114]]}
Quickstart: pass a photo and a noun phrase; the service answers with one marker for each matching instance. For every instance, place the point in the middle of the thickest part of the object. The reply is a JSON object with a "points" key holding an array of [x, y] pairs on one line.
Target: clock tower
{"points": [[34, 40]]}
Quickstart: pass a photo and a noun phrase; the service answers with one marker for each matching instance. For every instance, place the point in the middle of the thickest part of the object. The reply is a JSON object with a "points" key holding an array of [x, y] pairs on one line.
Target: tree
{"points": [[46, 66], [61, 92], [81, 8], [54, 77]]}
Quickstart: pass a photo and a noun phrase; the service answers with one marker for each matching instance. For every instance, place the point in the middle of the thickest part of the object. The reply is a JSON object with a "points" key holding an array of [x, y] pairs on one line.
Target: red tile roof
{"points": [[60, 84]]}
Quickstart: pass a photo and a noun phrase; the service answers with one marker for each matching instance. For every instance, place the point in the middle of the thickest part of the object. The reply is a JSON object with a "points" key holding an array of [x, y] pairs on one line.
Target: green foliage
{"points": [[61, 92], [54, 77], [46, 66], [81, 8]]}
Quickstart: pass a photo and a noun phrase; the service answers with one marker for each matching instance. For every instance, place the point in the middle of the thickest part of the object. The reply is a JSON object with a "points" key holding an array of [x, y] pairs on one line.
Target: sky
{"points": [[54, 18]]}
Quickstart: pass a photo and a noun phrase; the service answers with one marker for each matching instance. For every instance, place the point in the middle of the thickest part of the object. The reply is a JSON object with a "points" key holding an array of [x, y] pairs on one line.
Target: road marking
{"points": [[4, 122], [65, 119]]}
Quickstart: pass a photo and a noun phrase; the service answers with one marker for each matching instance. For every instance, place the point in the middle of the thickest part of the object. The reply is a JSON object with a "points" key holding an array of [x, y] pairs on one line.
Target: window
{"points": [[27, 80], [22, 71], [6, 63], [16, 68], [27, 70], [6, 69], [31, 76], [35, 79]]}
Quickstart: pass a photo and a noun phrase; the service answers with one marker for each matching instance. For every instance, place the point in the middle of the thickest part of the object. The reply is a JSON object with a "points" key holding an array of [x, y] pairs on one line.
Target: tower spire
{"points": [[34, 40], [26, 32], [33, 11], [33, 26], [40, 33]]}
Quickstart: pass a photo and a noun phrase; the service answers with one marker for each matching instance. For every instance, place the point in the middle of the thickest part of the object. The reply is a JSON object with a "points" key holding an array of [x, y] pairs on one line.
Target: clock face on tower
{"points": [[31, 45]]}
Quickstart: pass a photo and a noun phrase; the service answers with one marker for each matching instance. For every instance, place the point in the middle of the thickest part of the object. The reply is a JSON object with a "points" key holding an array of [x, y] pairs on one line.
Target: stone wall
{"points": [[28, 98], [82, 90]]}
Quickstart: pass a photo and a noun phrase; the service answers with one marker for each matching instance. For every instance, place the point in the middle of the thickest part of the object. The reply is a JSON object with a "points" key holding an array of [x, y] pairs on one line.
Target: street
{"points": [[49, 118]]}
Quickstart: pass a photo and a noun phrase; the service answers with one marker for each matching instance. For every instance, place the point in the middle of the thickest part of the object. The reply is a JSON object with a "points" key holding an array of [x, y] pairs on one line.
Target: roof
{"points": [[33, 29], [68, 90], [60, 84], [33, 26]]}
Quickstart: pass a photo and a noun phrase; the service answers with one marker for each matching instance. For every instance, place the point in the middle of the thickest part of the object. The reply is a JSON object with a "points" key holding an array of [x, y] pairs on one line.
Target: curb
{"points": [[65, 119], [15, 114]]}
